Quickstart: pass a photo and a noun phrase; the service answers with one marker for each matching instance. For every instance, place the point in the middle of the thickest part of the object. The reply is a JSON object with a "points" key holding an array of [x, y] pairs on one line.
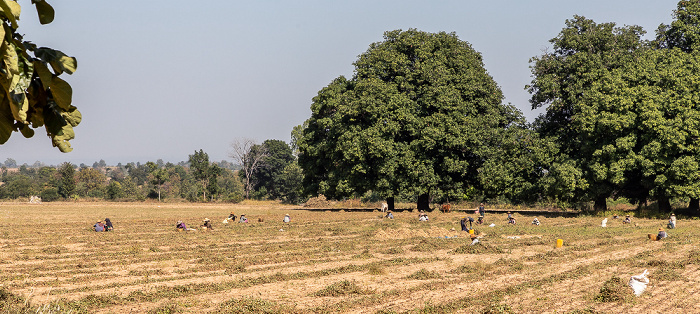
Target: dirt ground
{"points": [[336, 261]]}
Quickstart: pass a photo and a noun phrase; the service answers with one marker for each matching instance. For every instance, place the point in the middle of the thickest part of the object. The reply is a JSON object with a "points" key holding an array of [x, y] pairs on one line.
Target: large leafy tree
{"points": [[624, 115], [416, 118], [592, 133], [683, 34], [33, 95]]}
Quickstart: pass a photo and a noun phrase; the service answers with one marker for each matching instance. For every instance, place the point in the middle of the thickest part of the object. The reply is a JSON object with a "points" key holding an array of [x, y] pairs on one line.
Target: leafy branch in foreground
{"points": [[32, 94]]}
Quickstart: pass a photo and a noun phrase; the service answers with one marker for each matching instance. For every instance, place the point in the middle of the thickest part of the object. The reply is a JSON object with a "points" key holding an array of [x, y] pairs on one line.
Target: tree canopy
{"points": [[623, 114], [417, 118], [33, 95]]}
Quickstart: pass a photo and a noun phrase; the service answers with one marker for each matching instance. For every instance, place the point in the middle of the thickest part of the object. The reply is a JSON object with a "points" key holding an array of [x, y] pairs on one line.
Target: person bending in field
{"points": [[232, 216], [480, 220], [207, 224], [99, 227], [243, 219], [463, 224], [662, 234], [536, 222], [389, 215], [108, 225], [423, 217], [511, 221], [627, 220], [286, 218], [181, 226]]}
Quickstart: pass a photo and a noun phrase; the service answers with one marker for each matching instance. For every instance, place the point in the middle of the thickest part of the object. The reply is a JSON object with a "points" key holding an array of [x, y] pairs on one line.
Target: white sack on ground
{"points": [[639, 283], [605, 223]]}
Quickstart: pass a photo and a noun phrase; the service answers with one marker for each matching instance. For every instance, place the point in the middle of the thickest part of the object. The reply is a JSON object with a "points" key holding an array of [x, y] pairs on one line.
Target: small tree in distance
{"points": [[250, 156]]}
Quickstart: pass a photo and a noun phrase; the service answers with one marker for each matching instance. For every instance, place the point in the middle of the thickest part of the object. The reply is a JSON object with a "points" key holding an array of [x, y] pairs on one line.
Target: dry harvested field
{"points": [[334, 262]]}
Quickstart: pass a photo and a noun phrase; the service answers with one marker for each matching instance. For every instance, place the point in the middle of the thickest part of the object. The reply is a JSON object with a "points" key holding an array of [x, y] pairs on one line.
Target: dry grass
{"points": [[332, 261]]}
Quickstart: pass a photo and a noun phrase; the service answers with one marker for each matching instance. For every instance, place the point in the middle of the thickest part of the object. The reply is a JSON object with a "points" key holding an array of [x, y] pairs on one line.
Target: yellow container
{"points": [[560, 242], [471, 231]]}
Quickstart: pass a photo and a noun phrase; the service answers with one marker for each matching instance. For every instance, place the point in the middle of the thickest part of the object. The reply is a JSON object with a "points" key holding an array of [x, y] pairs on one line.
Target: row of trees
{"points": [[275, 176], [422, 118]]}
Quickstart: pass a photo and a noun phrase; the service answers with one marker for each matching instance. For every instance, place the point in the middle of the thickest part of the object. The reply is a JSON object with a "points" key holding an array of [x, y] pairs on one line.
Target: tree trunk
{"points": [[601, 203], [664, 203], [390, 203], [424, 202], [694, 204]]}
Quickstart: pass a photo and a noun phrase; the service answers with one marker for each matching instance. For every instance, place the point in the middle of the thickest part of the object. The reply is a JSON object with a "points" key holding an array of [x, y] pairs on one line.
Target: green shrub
{"points": [[614, 290], [341, 288], [49, 194], [478, 249], [424, 274], [252, 305]]}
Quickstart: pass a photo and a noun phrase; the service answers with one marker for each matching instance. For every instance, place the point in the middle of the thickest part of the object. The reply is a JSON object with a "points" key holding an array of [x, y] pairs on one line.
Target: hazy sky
{"points": [[160, 79]]}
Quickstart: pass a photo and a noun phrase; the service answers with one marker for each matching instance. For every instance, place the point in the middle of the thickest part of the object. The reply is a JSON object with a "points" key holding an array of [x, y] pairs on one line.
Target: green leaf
{"points": [[73, 116], [11, 10], [45, 11], [27, 131], [44, 74], [62, 92], [58, 60], [6, 121], [9, 57]]}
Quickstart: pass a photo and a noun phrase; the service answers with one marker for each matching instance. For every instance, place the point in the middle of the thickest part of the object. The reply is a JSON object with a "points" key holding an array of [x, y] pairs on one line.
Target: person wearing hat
{"points": [[627, 220], [243, 219], [510, 215], [286, 219], [207, 225], [511, 220], [232, 216], [99, 227], [671, 222], [389, 215], [481, 209], [480, 220], [662, 234]]}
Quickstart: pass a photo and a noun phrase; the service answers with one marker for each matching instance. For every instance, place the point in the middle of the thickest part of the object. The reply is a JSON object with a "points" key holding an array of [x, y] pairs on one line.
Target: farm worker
{"points": [[627, 220], [662, 234], [463, 223], [389, 215], [99, 226], [480, 220], [243, 219], [108, 225], [672, 222], [510, 215], [207, 224], [511, 220], [232, 216], [423, 217], [286, 218], [481, 209], [181, 225], [536, 221]]}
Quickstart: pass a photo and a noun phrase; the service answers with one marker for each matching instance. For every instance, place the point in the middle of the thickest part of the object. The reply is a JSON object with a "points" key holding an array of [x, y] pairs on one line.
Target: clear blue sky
{"points": [[160, 79]]}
